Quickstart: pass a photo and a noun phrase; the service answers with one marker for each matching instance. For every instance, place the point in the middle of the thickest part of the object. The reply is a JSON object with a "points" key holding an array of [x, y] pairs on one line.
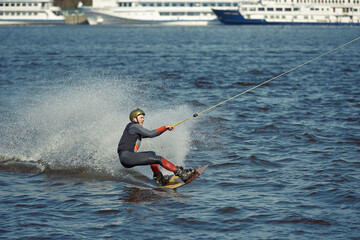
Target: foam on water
{"points": [[78, 127]]}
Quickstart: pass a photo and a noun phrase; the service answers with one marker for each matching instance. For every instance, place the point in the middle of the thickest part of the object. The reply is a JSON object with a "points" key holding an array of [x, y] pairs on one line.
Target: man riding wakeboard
{"points": [[130, 142]]}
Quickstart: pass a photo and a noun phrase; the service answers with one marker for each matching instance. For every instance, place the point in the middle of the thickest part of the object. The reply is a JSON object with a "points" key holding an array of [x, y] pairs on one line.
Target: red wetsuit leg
{"points": [[168, 165], [155, 168]]}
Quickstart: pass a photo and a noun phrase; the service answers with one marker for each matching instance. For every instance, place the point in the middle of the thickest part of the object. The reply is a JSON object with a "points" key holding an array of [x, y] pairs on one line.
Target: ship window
{"points": [[261, 9], [252, 9], [158, 4], [193, 14], [167, 4], [279, 9], [1, 4], [6, 4], [13, 4], [1, 13], [164, 13], [287, 9], [178, 4], [296, 9], [244, 9], [270, 9], [18, 4]]}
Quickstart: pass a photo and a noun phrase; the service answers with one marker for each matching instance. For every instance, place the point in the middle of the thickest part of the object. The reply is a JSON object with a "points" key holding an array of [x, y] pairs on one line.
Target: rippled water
{"points": [[284, 158]]}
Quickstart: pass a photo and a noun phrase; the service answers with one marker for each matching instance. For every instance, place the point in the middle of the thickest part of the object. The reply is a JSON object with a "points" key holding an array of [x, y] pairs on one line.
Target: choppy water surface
{"points": [[284, 158]]}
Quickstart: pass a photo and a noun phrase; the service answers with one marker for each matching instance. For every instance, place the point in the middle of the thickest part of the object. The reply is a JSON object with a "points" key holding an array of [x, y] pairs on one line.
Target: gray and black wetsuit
{"points": [[130, 143]]}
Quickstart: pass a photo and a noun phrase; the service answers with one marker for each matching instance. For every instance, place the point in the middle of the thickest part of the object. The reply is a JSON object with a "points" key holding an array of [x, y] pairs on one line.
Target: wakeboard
{"points": [[176, 182]]}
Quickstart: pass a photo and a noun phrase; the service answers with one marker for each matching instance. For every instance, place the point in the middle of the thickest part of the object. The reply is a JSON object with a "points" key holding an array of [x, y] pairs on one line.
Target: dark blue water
{"points": [[284, 158]]}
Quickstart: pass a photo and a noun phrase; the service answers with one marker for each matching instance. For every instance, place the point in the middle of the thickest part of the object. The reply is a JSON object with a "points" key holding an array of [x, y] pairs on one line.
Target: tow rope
{"points": [[282, 74]]}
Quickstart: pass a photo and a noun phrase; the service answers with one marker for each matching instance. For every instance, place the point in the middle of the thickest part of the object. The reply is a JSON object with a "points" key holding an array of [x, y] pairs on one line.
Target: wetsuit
{"points": [[130, 143]]}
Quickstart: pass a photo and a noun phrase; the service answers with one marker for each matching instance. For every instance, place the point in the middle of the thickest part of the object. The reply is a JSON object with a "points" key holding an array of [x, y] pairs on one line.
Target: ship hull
{"points": [[108, 17], [234, 17]]}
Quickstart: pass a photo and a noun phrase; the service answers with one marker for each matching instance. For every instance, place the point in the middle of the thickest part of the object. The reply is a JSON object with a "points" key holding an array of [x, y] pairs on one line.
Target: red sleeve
{"points": [[161, 129]]}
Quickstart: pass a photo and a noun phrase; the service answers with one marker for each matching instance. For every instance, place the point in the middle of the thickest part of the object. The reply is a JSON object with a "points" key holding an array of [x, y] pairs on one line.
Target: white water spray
{"points": [[79, 127]]}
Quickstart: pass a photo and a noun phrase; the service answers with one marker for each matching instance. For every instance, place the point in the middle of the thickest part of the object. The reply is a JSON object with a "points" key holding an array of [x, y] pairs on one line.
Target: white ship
{"points": [[29, 12], [168, 12], [296, 12]]}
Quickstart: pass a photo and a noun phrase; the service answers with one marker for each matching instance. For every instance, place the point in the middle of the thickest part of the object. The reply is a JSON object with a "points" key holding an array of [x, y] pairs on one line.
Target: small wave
{"points": [[108, 211], [351, 100], [229, 184], [227, 210], [265, 129], [286, 160], [189, 221], [271, 126], [256, 72], [303, 221], [310, 138], [197, 103], [78, 56], [228, 164], [349, 119], [348, 70], [170, 75], [260, 162], [76, 173], [217, 119], [354, 140], [244, 84], [18, 165], [203, 84], [351, 141]]}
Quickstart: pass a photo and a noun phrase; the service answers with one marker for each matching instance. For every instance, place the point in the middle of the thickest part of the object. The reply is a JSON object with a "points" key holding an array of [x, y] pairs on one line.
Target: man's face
{"points": [[140, 119]]}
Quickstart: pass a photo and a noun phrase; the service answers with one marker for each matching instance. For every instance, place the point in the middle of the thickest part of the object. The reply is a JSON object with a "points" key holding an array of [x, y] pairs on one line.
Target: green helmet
{"points": [[136, 113]]}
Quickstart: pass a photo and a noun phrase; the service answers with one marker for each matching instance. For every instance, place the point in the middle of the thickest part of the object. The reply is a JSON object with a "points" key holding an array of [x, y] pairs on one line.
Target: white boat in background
{"points": [[293, 12], [29, 12], [168, 12]]}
